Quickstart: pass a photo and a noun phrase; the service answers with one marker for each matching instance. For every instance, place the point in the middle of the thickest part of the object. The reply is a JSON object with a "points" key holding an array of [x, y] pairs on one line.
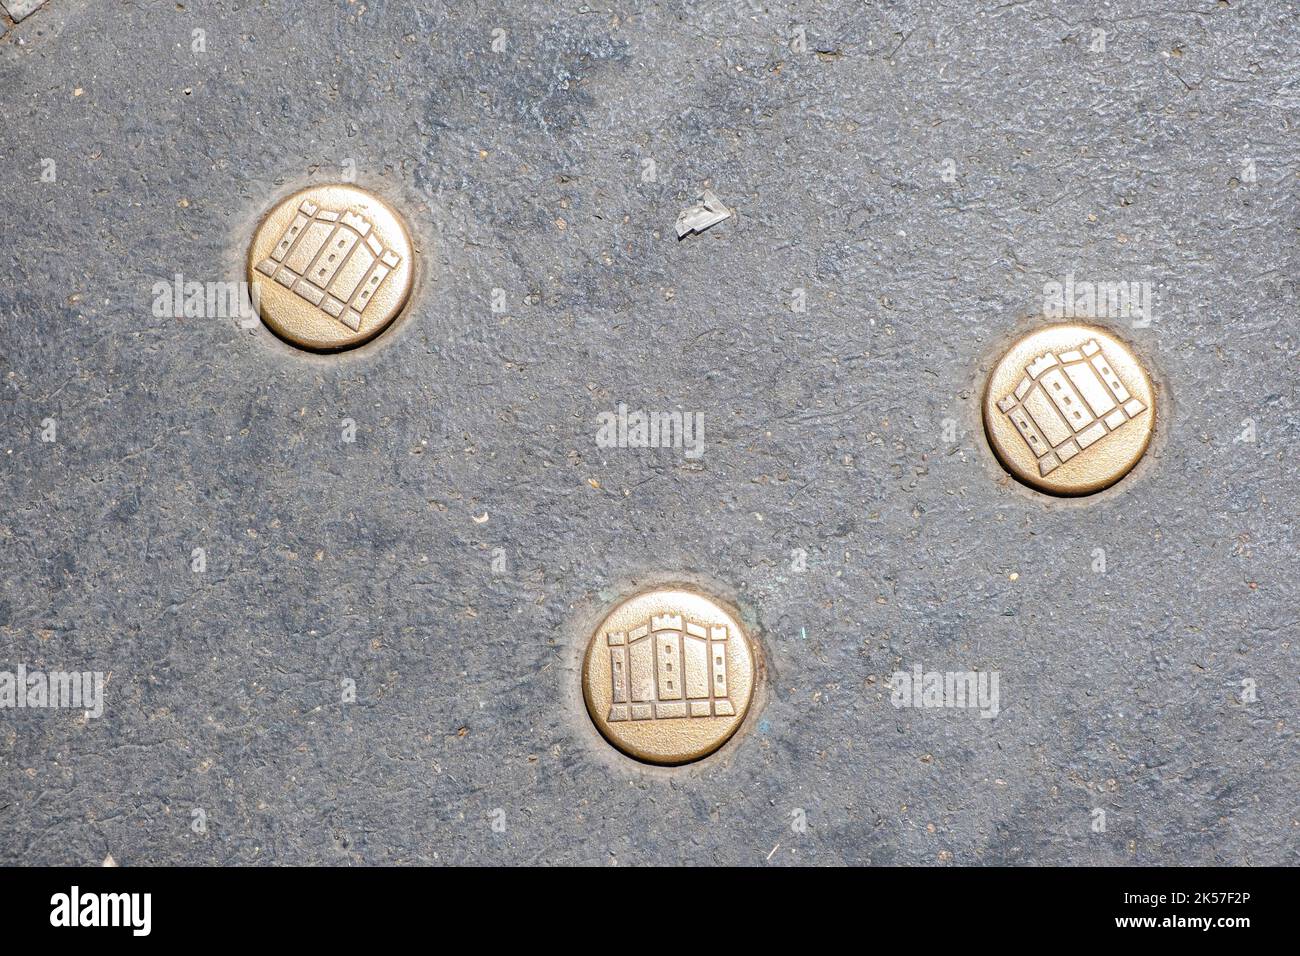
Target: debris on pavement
{"points": [[709, 211], [19, 9]]}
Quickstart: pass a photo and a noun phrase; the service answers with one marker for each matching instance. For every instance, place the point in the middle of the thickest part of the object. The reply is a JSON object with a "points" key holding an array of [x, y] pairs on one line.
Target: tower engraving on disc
{"points": [[1067, 403], [669, 675], [332, 259], [1069, 409], [331, 266], [669, 668]]}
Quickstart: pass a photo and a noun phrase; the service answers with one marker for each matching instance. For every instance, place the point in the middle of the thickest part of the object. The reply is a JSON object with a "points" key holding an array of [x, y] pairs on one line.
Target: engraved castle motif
{"points": [[333, 260], [1067, 403], [666, 669]]}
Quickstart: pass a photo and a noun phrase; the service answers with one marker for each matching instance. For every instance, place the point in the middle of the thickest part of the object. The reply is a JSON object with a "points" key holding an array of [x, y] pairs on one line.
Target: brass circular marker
{"points": [[1069, 409], [330, 267], [668, 676]]}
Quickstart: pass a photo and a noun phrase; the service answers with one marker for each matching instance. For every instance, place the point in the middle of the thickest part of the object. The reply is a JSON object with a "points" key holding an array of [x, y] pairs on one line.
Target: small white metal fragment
{"points": [[709, 211], [18, 9]]}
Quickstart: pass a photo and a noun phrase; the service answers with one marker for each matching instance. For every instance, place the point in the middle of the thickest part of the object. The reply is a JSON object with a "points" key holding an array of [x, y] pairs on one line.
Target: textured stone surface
{"points": [[523, 171]]}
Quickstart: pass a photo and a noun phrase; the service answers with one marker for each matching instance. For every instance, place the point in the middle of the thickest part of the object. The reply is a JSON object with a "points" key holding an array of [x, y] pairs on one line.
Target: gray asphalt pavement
{"points": [[322, 650]]}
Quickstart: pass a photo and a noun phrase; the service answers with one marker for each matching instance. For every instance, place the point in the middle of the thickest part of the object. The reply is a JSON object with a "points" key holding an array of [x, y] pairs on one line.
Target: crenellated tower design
{"points": [[669, 668], [332, 260], [1066, 403]]}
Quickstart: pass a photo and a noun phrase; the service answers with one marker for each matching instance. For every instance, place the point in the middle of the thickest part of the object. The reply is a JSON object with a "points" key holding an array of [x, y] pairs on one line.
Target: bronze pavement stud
{"points": [[668, 676], [330, 267], [1069, 409]]}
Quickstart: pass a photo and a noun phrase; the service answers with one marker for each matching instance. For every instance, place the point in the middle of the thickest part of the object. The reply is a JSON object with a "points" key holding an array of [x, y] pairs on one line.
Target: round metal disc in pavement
{"points": [[330, 267], [669, 676], [1069, 409]]}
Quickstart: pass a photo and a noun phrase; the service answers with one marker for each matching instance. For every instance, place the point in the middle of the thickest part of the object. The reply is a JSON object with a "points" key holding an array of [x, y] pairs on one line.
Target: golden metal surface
{"points": [[668, 676], [1069, 409], [330, 267]]}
